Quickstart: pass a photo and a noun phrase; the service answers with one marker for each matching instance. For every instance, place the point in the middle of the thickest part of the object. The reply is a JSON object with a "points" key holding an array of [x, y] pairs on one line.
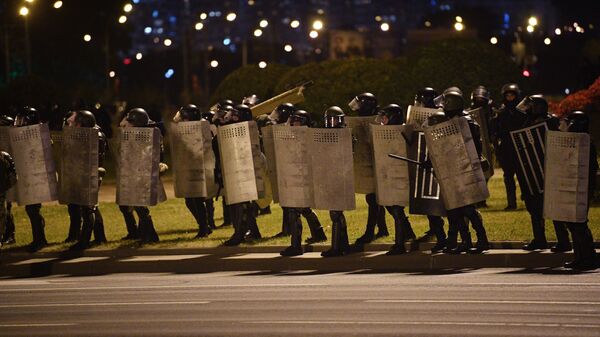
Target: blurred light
{"points": [[112, 74], [127, 8], [250, 2], [317, 25], [526, 73], [459, 26], [575, 24], [591, 26], [138, 56], [257, 32], [262, 64], [263, 23], [199, 26], [226, 41], [136, 1], [147, 30], [30, 1], [313, 34], [318, 51], [214, 63], [87, 38], [547, 41], [58, 4], [530, 28], [127, 61], [320, 11], [203, 16], [160, 30], [427, 24], [231, 17], [494, 40], [97, 105], [579, 29], [385, 26], [167, 42], [155, 13], [156, 40], [567, 91], [533, 21], [557, 31], [169, 73], [288, 48], [23, 11], [122, 19], [295, 24], [458, 19], [378, 18]]}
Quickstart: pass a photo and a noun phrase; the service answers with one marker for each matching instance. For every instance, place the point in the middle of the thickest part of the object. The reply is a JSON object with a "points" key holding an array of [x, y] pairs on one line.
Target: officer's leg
{"points": [[509, 183], [9, 232], [3, 218], [147, 230], [227, 218], [563, 244], [74, 222], [198, 210], [477, 222], [236, 211], [456, 219], [210, 212], [402, 228], [37, 227], [535, 206], [87, 214], [382, 229], [436, 225], [250, 221], [285, 227], [583, 247], [133, 232], [99, 235], [339, 236], [317, 234], [372, 213], [293, 219]]}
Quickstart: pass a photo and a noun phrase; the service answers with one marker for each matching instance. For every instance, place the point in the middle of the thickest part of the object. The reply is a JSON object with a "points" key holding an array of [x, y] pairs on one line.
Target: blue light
{"points": [[147, 30], [433, 3], [136, 1], [232, 48], [172, 19], [226, 41], [155, 13], [169, 73], [506, 18]]}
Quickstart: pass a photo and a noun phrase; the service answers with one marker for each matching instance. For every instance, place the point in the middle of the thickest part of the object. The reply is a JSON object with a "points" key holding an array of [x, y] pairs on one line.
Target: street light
{"points": [[313, 34], [24, 11], [533, 21], [262, 64], [199, 26], [530, 28], [458, 19], [122, 19], [127, 8], [317, 25], [494, 40], [295, 24], [385, 26], [87, 38], [167, 42], [231, 17], [257, 32], [203, 16], [214, 63], [547, 41], [557, 31], [459, 26], [138, 56], [288, 48], [111, 74], [58, 4], [263, 23]]}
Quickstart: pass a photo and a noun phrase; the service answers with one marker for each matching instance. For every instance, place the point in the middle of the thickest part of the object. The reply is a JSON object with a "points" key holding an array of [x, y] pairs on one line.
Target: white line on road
{"points": [[34, 325], [483, 302], [190, 286], [107, 304], [537, 325]]}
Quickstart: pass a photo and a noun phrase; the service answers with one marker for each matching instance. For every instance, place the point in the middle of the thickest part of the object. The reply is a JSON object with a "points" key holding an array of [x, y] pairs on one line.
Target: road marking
{"points": [[34, 325], [253, 256], [85, 259], [537, 325], [533, 284], [191, 286], [161, 258], [483, 302], [32, 261], [106, 304]]}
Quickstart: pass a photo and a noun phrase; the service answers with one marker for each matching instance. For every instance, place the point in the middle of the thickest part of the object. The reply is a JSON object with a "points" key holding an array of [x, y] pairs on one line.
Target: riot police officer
{"points": [[507, 119], [364, 105], [25, 117], [8, 178], [301, 118], [138, 118], [91, 216], [7, 236]]}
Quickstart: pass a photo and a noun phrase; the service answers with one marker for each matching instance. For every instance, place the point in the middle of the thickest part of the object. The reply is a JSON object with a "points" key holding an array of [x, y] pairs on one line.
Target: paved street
{"points": [[485, 302]]}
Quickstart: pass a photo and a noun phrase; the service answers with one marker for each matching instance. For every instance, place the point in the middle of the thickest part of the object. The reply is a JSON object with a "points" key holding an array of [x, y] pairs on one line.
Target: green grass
{"points": [[176, 226]]}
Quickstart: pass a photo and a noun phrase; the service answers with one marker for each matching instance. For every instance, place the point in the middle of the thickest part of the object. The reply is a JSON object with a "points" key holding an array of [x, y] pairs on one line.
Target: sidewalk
{"points": [[266, 259]]}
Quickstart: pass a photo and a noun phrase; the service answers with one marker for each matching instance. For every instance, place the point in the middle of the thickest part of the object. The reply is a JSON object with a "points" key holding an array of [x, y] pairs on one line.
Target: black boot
{"points": [[398, 247], [317, 234], [539, 237], [563, 244], [236, 211], [133, 232], [9, 233], [227, 217], [382, 230], [37, 227], [74, 222], [372, 215], [296, 244], [86, 231], [339, 236], [285, 227], [210, 213], [147, 231], [99, 234], [477, 222]]}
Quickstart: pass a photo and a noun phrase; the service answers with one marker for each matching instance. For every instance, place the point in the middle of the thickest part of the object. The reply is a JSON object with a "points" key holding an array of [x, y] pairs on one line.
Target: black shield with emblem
{"points": [[425, 193], [529, 146]]}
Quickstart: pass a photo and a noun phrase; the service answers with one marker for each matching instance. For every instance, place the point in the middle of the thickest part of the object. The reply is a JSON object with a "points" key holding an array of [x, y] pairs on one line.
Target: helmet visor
{"points": [[354, 104]]}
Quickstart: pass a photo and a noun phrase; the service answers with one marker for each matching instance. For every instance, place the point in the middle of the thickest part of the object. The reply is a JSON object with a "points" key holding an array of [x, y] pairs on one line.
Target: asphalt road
{"points": [[486, 302]]}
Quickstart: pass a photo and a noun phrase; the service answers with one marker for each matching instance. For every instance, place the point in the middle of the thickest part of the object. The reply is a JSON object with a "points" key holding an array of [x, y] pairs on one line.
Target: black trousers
{"points": [[37, 222]]}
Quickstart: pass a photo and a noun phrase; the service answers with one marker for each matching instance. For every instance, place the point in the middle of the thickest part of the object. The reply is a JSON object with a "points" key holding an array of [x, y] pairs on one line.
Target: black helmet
{"points": [[226, 101], [511, 88], [425, 97], [302, 117], [436, 118], [394, 114], [364, 104], [189, 112], [138, 117], [85, 119], [244, 111], [281, 114], [452, 101], [222, 115], [480, 96], [6, 120], [578, 121], [251, 100], [535, 105], [27, 116], [334, 117]]}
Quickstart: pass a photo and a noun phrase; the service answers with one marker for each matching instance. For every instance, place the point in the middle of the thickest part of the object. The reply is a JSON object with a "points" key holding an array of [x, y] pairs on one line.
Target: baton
{"points": [[395, 156]]}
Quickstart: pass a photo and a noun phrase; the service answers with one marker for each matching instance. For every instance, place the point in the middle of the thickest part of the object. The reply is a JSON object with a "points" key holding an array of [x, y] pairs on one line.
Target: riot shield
{"points": [[11, 195], [57, 139], [78, 183], [293, 166], [529, 147], [364, 175], [332, 169], [190, 142], [137, 167], [237, 163], [258, 158], [425, 192], [35, 166], [417, 115], [456, 163], [567, 164], [269, 147], [391, 175], [481, 116]]}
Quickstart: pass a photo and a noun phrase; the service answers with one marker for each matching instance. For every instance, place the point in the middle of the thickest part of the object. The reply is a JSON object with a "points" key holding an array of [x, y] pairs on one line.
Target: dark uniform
{"points": [[8, 178], [7, 236]]}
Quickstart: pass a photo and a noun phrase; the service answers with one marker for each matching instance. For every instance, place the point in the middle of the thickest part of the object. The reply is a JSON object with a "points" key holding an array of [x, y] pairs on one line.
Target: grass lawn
{"points": [[176, 226]]}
